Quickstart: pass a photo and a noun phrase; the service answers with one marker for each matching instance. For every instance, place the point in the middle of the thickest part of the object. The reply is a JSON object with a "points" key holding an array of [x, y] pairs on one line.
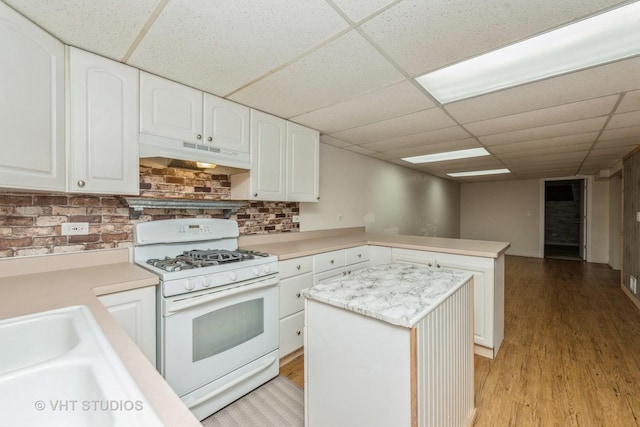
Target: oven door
{"points": [[208, 335]]}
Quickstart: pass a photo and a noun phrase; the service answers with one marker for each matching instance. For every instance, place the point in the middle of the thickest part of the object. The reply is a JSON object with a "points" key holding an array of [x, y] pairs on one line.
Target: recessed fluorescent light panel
{"points": [[479, 173], [449, 155], [597, 40]]}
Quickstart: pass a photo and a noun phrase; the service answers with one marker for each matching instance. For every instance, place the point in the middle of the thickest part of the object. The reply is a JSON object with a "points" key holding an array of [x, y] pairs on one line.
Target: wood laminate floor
{"points": [[571, 353]]}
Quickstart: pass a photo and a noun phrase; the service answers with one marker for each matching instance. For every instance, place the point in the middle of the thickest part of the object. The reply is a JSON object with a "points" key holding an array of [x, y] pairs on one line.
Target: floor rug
{"points": [[278, 403]]}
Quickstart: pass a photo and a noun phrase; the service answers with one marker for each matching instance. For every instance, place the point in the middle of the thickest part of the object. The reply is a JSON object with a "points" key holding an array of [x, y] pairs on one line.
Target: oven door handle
{"points": [[175, 307], [264, 365]]}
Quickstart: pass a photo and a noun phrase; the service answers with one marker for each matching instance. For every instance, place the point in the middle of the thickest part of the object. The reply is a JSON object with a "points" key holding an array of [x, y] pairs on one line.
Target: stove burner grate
{"points": [[199, 258]]}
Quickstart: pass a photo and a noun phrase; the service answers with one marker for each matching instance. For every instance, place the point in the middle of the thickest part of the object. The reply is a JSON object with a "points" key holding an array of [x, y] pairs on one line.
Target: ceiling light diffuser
{"points": [[597, 40], [449, 155], [478, 173]]}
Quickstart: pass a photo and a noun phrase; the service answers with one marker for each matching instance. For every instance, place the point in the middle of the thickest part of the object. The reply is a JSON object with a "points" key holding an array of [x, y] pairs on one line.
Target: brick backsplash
{"points": [[30, 223]]}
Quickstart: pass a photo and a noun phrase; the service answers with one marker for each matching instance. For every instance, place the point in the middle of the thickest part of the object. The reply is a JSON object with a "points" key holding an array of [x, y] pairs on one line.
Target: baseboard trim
{"points": [[632, 297], [289, 357]]}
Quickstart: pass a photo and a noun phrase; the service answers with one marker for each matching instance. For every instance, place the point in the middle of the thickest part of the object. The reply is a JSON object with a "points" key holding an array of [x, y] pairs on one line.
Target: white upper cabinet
{"points": [[103, 125], [32, 108], [206, 123], [268, 138], [303, 151], [226, 124], [170, 109], [285, 162]]}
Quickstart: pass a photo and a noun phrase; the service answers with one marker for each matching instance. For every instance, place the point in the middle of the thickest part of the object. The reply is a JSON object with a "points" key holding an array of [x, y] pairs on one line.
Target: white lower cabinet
{"points": [[344, 262], [488, 284], [295, 276], [135, 311]]}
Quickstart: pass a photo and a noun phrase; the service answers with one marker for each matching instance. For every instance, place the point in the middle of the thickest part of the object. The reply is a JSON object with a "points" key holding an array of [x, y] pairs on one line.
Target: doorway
{"points": [[564, 219]]}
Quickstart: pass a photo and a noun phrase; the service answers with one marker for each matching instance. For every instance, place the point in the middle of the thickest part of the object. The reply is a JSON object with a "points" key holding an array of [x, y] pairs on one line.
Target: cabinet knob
{"points": [[298, 332], [331, 261], [209, 139], [318, 198], [198, 136], [344, 273], [81, 183], [438, 265], [430, 265], [298, 295], [359, 255], [298, 266], [255, 194]]}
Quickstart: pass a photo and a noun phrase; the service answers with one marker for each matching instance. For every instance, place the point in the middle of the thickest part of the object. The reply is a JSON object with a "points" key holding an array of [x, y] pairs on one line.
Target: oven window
{"points": [[228, 327]]}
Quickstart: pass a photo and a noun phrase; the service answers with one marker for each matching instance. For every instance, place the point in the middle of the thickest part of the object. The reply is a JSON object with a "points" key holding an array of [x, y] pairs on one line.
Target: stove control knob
{"points": [[207, 282], [266, 268], [189, 284], [233, 275], [196, 282], [256, 270]]}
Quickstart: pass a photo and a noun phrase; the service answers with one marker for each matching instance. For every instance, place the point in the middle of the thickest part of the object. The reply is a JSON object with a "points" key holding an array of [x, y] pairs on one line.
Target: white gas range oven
{"points": [[217, 310]]}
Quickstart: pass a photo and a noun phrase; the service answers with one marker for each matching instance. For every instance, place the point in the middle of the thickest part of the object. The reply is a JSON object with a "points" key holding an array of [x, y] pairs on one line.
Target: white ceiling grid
{"points": [[346, 68]]}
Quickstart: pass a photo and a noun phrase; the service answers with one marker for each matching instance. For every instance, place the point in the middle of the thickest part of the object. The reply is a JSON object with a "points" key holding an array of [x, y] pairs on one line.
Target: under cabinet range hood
{"points": [[158, 146]]}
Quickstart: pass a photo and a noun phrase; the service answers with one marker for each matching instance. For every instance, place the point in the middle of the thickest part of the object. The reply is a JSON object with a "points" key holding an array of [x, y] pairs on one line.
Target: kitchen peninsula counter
{"points": [[293, 245], [41, 283]]}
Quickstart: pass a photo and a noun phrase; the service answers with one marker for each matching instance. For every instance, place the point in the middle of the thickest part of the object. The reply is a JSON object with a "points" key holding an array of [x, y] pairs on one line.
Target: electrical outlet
{"points": [[339, 218], [633, 284], [74, 228], [295, 219]]}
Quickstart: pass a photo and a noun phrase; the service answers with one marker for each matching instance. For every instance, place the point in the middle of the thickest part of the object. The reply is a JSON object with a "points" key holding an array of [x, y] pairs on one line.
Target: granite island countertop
{"points": [[397, 293]]}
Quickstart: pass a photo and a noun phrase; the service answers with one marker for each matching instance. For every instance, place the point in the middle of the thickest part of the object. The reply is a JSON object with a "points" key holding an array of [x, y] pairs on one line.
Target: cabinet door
{"points": [[328, 261], [329, 275], [32, 108], [170, 109], [268, 154], [303, 154], [103, 125], [226, 124], [135, 312]]}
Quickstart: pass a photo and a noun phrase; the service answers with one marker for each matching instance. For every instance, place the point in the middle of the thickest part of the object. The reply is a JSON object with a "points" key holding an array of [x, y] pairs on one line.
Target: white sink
{"points": [[58, 369]]}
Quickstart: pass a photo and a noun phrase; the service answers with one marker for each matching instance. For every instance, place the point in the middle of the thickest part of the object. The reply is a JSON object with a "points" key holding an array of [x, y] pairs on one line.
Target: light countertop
{"points": [[34, 284], [398, 293], [293, 245]]}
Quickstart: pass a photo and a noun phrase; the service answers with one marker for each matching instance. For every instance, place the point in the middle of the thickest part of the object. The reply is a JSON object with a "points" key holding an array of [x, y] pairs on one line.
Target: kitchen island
{"points": [[390, 345]]}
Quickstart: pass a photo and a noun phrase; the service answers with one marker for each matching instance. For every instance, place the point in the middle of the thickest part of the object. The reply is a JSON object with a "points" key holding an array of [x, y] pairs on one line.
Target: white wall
{"points": [[505, 211], [512, 211], [383, 197]]}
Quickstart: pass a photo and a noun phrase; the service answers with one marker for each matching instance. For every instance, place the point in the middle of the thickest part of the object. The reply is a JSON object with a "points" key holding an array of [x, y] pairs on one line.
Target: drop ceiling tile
{"points": [[347, 67], [563, 129], [435, 33], [553, 115], [326, 139], [219, 46], [409, 124], [357, 10], [466, 165], [359, 150], [391, 101], [561, 141], [620, 133], [630, 102], [624, 142], [541, 151], [107, 28], [548, 159], [622, 120], [579, 86], [424, 138]]}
